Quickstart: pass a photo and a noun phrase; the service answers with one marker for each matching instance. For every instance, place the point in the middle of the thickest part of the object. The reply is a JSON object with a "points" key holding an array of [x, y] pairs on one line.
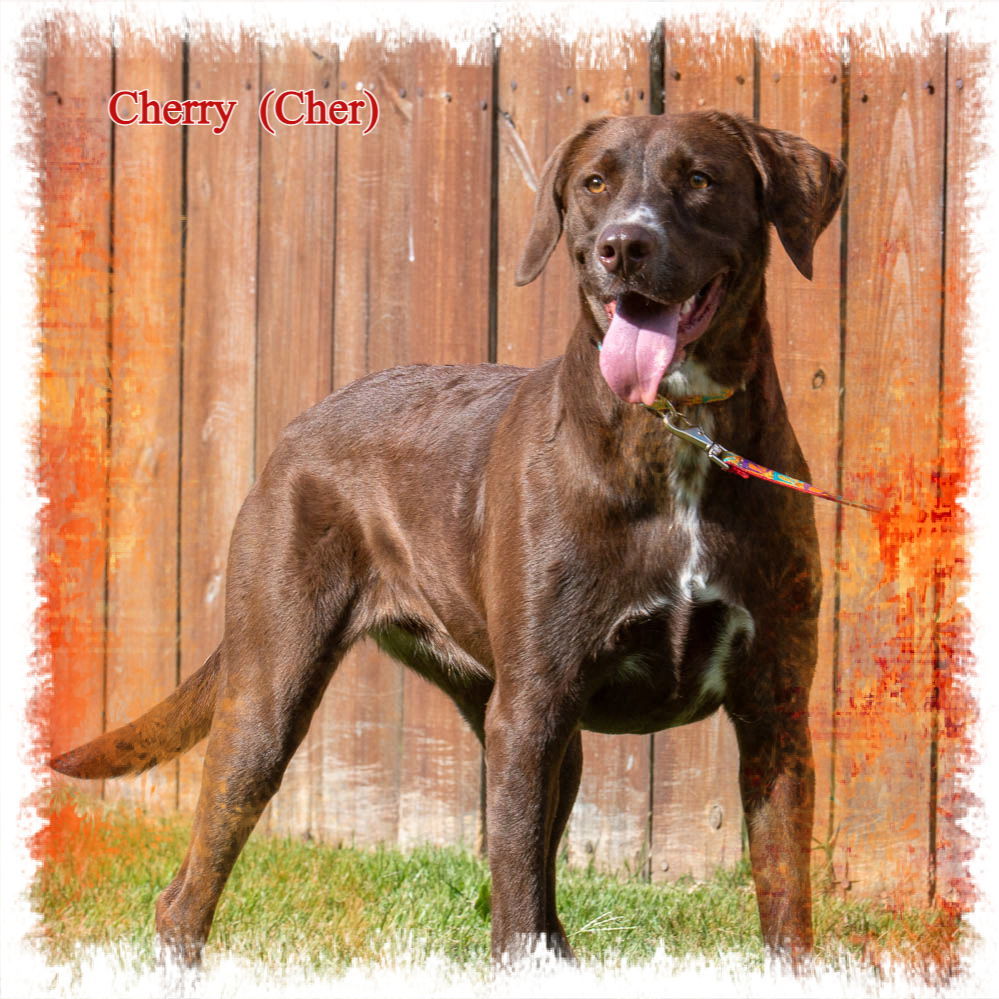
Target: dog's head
{"points": [[667, 222]]}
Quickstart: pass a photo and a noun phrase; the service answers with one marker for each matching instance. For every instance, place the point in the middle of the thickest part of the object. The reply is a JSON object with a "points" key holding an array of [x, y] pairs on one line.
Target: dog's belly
{"points": [[669, 668]]}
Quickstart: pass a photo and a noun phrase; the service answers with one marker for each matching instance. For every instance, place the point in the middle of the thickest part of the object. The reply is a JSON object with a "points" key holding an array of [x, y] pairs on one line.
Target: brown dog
{"points": [[538, 545]]}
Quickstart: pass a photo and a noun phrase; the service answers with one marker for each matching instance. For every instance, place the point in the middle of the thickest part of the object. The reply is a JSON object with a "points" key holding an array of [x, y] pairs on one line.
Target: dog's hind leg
{"points": [[284, 637], [256, 730]]}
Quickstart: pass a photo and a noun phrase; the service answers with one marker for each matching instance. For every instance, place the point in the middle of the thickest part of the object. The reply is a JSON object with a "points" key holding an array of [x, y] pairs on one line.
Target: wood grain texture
{"points": [[295, 318], [440, 777], [883, 700], [547, 89], [609, 826], [412, 284], [74, 259], [356, 733], [219, 345], [696, 808], [967, 72], [801, 92], [145, 406], [707, 67]]}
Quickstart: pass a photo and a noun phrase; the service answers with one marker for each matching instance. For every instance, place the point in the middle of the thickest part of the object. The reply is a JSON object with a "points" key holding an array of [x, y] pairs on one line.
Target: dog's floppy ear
{"points": [[802, 188], [549, 208]]}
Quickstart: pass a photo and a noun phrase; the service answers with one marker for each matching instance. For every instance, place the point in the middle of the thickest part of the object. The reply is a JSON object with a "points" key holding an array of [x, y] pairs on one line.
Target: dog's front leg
{"points": [[568, 787], [528, 732]]}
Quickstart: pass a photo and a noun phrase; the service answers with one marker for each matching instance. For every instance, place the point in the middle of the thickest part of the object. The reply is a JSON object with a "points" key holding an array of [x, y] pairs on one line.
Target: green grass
{"points": [[327, 907]]}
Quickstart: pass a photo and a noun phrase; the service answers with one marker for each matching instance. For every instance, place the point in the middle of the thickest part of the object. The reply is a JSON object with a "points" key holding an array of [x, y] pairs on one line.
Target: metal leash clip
{"points": [[679, 425]]}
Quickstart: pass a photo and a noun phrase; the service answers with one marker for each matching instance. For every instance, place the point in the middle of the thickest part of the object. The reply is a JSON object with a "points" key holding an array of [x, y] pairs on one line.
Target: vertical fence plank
{"points": [[439, 788], [883, 715], [74, 248], [219, 345], [548, 88], [707, 67], [359, 721], [412, 285], [696, 810], [801, 92], [295, 318], [967, 71], [145, 406]]}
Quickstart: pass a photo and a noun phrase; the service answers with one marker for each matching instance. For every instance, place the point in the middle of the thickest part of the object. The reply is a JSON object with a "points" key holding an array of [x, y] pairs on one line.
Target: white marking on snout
{"points": [[642, 215]]}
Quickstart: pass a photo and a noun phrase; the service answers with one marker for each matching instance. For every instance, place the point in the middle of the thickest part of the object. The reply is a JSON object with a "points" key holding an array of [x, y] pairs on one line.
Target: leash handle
{"points": [[681, 427]]}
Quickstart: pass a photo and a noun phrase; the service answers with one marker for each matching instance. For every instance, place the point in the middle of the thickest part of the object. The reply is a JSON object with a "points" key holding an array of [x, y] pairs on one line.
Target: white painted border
{"points": [[464, 26]]}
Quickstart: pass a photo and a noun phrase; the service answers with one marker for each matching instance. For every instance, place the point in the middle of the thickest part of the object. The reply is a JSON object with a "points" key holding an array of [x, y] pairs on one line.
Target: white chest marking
{"points": [[695, 587], [687, 479], [689, 379]]}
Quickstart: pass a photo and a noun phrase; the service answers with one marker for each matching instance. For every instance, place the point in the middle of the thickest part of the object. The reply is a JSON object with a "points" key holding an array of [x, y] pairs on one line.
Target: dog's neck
{"points": [[622, 453], [735, 354]]}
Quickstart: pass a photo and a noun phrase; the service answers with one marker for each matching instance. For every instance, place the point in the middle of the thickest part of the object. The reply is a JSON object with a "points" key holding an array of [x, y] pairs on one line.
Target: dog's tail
{"points": [[162, 733]]}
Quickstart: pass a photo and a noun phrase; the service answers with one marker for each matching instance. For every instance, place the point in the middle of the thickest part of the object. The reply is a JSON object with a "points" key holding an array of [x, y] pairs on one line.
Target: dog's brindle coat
{"points": [[546, 553]]}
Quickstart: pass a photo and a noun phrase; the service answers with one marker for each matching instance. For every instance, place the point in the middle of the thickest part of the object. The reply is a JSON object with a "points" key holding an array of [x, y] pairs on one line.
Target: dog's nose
{"points": [[624, 249]]}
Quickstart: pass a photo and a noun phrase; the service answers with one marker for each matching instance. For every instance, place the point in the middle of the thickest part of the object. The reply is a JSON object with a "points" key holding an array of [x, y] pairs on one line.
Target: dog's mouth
{"points": [[646, 338]]}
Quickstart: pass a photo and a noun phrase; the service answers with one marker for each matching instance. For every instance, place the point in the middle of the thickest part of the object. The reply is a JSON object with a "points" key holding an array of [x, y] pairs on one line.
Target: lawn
{"points": [[330, 908]]}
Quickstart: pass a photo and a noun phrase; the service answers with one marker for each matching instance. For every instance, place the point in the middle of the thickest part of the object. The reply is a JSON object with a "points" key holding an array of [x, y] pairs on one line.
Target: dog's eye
{"points": [[700, 180], [596, 184]]}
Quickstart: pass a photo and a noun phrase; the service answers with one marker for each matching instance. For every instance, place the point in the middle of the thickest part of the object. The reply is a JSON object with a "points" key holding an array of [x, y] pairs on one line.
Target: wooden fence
{"points": [[197, 291]]}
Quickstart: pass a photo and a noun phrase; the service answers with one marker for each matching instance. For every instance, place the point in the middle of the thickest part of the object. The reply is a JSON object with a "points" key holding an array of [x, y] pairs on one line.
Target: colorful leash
{"points": [[679, 425]]}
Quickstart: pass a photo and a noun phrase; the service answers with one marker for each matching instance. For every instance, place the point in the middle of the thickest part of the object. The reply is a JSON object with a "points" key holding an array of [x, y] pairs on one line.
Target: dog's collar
{"points": [[661, 403], [681, 427]]}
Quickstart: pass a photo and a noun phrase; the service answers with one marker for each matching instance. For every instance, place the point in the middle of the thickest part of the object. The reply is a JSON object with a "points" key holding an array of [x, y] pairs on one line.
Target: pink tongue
{"points": [[637, 349]]}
